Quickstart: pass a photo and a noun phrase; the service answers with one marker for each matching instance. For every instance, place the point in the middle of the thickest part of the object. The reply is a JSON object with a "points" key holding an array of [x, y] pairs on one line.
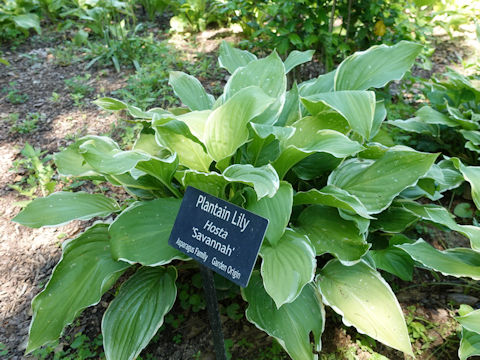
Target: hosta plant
{"points": [[310, 159], [451, 121]]}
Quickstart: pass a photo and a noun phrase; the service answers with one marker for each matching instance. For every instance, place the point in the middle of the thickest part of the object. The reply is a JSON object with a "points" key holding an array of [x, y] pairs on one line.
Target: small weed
{"points": [[173, 321], [3, 349], [228, 347], [177, 339], [14, 96], [79, 88], [26, 125], [55, 97], [35, 171]]}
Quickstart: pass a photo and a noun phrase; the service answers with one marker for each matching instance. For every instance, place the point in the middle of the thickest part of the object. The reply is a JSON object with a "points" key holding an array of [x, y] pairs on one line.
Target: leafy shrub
{"points": [[308, 159]]}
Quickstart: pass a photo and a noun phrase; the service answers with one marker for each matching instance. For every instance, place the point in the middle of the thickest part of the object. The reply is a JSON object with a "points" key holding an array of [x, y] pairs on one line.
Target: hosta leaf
{"points": [[331, 196], [264, 179], [190, 91], [226, 127], [137, 312], [364, 299], [85, 272], [428, 115], [70, 162], [440, 215], [62, 207], [315, 165], [378, 118], [279, 132], [322, 84], [190, 153], [231, 58], [212, 183], [277, 209], [267, 73], [394, 220], [357, 107], [105, 156], [111, 104], [162, 169], [395, 261], [376, 66], [414, 125], [377, 182], [330, 233], [27, 21], [472, 175], [140, 233], [291, 109], [296, 58], [470, 321], [196, 122], [469, 344], [287, 266], [458, 262], [308, 139], [291, 325], [472, 136]]}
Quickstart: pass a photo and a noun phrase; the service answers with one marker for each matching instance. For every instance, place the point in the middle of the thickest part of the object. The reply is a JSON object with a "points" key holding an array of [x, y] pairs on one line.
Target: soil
{"points": [[28, 256]]}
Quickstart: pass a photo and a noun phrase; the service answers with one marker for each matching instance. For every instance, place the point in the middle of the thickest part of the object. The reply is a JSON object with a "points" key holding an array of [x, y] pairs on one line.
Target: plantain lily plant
{"points": [[313, 159]]}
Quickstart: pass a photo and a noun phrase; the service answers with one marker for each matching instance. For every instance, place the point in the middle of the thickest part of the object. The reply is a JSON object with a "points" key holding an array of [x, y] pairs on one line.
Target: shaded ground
{"points": [[27, 256]]}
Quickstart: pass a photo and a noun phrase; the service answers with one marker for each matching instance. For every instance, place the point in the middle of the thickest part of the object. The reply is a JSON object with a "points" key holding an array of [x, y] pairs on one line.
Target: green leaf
{"points": [[428, 115], [137, 312], [378, 118], [296, 58], [70, 162], [287, 266], [104, 155], [62, 207], [395, 261], [463, 210], [231, 58], [376, 66], [212, 183], [440, 215], [226, 128], [277, 209], [416, 126], [27, 21], [196, 122], [291, 109], [394, 220], [85, 272], [291, 325], [308, 139], [377, 182], [470, 321], [364, 299], [4, 62], [267, 73], [140, 233], [162, 169], [107, 103], [190, 153], [264, 179], [322, 84], [472, 175], [330, 233], [331, 196], [190, 91], [469, 344], [458, 262], [357, 107]]}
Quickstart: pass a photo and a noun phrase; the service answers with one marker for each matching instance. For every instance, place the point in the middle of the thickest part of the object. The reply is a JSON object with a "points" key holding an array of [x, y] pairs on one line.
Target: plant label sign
{"points": [[219, 235]]}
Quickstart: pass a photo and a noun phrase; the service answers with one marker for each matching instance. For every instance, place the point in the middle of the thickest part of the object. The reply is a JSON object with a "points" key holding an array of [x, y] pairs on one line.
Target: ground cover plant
{"points": [[310, 159]]}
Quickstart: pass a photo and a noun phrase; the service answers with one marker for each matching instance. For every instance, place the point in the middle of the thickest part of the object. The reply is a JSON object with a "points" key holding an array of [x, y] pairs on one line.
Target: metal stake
{"points": [[213, 312]]}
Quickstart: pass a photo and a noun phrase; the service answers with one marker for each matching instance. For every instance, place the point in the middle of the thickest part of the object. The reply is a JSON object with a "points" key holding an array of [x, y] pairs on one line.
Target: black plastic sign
{"points": [[219, 235]]}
